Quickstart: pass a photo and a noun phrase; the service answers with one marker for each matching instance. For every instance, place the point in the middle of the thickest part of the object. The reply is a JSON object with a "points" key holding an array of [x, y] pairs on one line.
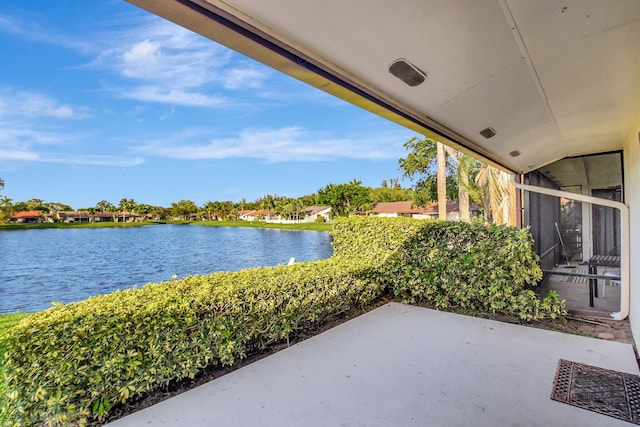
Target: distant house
{"points": [[103, 217], [80, 216], [312, 213], [127, 217], [395, 209], [252, 214], [453, 210], [408, 209], [213, 216], [27, 217], [248, 215]]}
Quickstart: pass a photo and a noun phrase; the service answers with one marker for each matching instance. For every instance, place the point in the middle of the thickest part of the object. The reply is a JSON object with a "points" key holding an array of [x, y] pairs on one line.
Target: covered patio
{"points": [[401, 365], [520, 84]]}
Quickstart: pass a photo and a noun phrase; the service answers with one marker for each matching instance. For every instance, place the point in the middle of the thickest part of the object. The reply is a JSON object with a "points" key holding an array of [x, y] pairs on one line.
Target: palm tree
{"points": [[268, 203], [5, 207], [465, 165], [298, 206], [285, 208], [441, 179], [211, 208], [498, 195], [126, 205], [426, 156]]}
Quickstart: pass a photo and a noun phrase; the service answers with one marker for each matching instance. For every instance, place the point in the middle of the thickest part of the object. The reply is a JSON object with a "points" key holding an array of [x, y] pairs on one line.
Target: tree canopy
{"points": [[420, 167], [345, 199]]}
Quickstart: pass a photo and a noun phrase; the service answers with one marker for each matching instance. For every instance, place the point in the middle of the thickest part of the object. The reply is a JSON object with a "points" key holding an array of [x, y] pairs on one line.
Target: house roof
{"points": [[314, 210], [405, 207], [27, 214], [551, 78], [79, 214], [253, 212]]}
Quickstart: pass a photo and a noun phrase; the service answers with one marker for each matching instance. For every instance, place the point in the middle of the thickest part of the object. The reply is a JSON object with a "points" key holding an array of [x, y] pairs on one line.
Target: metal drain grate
{"points": [[607, 392]]}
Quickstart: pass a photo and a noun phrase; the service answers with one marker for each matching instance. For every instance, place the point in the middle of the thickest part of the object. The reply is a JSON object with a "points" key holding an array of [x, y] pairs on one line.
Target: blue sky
{"points": [[102, 100]]}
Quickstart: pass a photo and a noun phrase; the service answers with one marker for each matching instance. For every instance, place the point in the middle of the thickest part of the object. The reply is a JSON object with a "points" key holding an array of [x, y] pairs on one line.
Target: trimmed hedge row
{"points": [[473, 267], [70, 364], [372, 240]]}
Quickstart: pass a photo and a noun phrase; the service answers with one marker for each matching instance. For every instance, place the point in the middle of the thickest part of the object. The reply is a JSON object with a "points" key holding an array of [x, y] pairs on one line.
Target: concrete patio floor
{"points": [[400, 365], [575, 292]]}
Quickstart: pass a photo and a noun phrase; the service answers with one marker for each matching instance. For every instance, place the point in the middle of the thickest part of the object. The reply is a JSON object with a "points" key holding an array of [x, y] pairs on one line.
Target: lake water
{"points": [[65, 265]]}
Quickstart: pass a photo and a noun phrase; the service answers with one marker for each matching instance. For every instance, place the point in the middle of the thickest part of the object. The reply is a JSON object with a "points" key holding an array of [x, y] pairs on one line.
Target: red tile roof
{"points": [[405, 207], [27, 214]]}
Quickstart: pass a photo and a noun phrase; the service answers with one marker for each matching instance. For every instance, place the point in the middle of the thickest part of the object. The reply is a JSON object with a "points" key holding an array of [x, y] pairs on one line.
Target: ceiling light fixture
{"points": [[514, 153], [407, 72]]}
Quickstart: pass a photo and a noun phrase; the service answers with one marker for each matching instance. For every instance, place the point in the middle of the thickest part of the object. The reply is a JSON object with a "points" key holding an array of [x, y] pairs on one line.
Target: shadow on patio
{"points": [[401, 365]]}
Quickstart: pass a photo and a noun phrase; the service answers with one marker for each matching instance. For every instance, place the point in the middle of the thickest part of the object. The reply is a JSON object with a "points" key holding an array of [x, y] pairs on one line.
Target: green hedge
{"points": [[372, 240], [70, 364], [471, 267]]}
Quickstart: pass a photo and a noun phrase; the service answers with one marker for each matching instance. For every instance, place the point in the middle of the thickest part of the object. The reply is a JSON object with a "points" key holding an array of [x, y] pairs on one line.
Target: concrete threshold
{"points": [[400, 365]]}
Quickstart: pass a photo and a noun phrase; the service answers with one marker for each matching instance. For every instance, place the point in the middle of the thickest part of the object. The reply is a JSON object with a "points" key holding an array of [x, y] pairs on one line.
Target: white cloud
{"points": [[168, 114], [44, 32], [276, 145], [8, 154], [173, 96], [21, 143], [169, 64], [20, 104], [240, 78], [9, 24], [149, 51], [90, 159], [157, 61], [15, 136]]}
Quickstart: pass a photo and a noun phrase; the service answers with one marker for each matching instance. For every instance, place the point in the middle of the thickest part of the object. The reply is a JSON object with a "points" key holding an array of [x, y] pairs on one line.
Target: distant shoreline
{"points": [[307, 226]]}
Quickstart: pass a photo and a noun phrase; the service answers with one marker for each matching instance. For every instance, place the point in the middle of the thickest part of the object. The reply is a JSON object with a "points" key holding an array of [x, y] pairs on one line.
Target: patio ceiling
{"points": [[588, 172], [553, 78]]}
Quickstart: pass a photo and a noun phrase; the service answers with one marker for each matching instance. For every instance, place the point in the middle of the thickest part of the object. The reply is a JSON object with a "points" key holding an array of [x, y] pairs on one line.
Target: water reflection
{"points": [[41, 266]]}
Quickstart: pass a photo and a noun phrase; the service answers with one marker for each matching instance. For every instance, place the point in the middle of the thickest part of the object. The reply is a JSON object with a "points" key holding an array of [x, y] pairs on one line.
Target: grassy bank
{"points": [[73, 225], [254, 224]]}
